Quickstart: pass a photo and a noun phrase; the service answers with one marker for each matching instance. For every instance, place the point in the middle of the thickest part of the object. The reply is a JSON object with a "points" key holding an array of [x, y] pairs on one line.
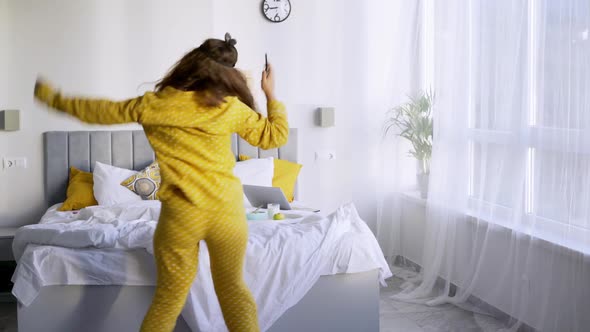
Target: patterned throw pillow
{"points": [[145, 183]]}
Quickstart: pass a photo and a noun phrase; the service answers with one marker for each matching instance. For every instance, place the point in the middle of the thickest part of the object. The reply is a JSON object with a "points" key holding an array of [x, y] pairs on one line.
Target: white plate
{"points": [[289, 217]]}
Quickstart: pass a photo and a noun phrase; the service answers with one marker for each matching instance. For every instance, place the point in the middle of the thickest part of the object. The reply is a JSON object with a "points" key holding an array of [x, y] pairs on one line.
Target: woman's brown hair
{"points": [[209, 68]]}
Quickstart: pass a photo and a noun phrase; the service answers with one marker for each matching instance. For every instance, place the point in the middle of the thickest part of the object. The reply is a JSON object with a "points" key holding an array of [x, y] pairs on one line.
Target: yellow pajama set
{"points": [[201, 197]]}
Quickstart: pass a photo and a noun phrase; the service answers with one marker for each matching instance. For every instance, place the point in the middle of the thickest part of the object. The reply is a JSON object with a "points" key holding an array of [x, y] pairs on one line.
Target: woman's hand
{"points": [[38, 83], [268, 83], [43, 90]]}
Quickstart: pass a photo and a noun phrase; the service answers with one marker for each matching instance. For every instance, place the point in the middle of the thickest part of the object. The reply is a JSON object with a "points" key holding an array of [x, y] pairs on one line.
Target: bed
{"points": [[335, 302]]}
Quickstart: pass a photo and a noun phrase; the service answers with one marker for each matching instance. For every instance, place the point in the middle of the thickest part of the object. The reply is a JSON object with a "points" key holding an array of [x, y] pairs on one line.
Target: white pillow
{"points": [[107, 185], [256, 172]]}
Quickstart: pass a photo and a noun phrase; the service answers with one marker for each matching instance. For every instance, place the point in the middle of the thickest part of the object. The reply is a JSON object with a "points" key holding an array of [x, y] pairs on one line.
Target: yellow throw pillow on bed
{"points": [[285, 175], [79, 194], [145, 183]]}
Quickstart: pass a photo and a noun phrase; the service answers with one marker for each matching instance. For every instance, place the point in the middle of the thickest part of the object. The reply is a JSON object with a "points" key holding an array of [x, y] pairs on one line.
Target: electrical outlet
{"points": [[14, 162]]}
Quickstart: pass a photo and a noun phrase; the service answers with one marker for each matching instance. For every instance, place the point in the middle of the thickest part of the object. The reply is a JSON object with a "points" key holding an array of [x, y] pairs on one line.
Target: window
{"points": [[529, 118]]}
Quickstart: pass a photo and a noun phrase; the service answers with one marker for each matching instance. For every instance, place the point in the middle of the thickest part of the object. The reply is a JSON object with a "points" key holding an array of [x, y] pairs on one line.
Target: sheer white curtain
{"points": [[394, 72], [508, 213]]}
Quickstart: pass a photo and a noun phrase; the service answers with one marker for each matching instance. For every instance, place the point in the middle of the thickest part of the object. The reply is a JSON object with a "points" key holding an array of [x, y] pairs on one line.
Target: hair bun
{"points": [[229, 40]]}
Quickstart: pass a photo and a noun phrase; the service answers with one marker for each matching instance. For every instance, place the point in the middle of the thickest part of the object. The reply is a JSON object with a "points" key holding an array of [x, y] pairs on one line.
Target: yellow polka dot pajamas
{"points": [[201, 198]]}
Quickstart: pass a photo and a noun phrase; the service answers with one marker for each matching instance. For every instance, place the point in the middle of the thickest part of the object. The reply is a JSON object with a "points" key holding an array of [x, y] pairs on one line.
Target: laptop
{"points": [[261, 196]]}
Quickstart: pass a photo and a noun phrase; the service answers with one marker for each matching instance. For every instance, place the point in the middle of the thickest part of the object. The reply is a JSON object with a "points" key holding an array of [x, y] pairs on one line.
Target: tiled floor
{"points": [[395, 316], [408, 317]]}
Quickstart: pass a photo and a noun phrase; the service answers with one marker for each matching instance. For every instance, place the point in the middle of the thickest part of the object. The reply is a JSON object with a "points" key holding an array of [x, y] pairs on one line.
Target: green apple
{"points": [[278, 216]]}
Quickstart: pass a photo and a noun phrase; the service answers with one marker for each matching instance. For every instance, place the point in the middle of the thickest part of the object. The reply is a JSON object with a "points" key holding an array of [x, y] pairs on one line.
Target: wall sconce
{"points": [[9, 120], [325, 117]]}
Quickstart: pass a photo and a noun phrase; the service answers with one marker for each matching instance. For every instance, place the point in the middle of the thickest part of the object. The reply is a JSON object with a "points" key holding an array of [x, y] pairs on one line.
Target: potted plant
{"points": [[414, 119]]}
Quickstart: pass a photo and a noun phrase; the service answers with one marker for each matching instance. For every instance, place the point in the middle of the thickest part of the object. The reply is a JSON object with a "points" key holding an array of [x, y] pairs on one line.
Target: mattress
{"points": [[112, 246]]}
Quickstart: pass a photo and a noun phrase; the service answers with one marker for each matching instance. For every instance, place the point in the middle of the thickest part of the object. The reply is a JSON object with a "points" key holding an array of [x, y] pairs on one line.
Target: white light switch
{"points": [[14, 162], [325, 155]]}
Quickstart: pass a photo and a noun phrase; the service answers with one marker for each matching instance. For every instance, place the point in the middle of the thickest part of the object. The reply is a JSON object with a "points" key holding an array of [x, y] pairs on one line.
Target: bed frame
{"points": [[343, 302]]}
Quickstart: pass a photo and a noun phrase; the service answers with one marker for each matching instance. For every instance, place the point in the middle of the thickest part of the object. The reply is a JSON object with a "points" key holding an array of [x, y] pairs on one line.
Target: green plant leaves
{"points": [[415, 122]]}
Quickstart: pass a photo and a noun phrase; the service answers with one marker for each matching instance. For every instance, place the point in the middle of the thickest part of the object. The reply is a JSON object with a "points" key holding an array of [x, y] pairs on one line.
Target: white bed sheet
{"points": [[112, 246]]}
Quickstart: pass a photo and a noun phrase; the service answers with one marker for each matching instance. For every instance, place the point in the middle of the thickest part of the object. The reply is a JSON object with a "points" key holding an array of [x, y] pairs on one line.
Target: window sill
{"points": [[547, 231], [414, 196]]}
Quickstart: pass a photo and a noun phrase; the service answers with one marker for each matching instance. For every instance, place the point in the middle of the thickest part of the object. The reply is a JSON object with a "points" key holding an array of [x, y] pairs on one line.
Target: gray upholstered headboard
{"points": [[127, 149]]}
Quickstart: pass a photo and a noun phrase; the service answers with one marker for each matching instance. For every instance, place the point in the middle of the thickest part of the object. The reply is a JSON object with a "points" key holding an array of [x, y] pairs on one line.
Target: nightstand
{"points": [[7, 263]]}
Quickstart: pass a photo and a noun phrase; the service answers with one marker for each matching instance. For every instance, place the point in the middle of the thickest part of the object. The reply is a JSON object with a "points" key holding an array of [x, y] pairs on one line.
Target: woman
{"points": [[189, 121]]}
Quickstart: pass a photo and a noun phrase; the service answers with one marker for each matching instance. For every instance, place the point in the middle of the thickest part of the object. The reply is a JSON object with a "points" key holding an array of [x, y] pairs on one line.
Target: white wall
{"points": [[100, 48], [108, 48], [319, 56], [412, 227]]}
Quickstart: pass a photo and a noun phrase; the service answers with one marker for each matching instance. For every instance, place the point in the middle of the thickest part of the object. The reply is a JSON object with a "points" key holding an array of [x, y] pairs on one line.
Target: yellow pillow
{"points": [[145, 183], [285, 175], [80, 193]]}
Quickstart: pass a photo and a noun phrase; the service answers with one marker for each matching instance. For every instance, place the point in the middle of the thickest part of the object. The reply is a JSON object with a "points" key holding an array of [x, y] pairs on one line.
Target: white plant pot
{"points": [[422, 179]]}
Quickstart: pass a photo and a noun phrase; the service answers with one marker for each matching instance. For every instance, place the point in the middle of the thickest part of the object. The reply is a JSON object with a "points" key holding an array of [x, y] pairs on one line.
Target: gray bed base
{"points": [[344, 302]]}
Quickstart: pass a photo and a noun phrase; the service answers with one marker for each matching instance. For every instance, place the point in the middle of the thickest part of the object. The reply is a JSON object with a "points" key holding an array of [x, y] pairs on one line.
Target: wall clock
{"points": [[276, 10]]}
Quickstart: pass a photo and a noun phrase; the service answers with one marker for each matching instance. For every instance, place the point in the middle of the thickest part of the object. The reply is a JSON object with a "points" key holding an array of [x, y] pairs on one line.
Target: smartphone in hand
{"points": [[266, 63]]}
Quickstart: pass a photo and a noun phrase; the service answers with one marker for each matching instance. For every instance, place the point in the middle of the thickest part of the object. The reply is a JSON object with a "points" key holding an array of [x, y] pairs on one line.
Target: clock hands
{"points": [[281, 8]]}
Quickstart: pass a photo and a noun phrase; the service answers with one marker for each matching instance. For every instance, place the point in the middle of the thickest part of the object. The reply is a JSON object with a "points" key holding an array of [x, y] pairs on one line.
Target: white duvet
{"points": [[283, 260]]}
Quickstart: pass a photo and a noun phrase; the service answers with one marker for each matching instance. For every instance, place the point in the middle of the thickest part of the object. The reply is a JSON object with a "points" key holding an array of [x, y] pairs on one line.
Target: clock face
{"points": [[276, 10]]}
